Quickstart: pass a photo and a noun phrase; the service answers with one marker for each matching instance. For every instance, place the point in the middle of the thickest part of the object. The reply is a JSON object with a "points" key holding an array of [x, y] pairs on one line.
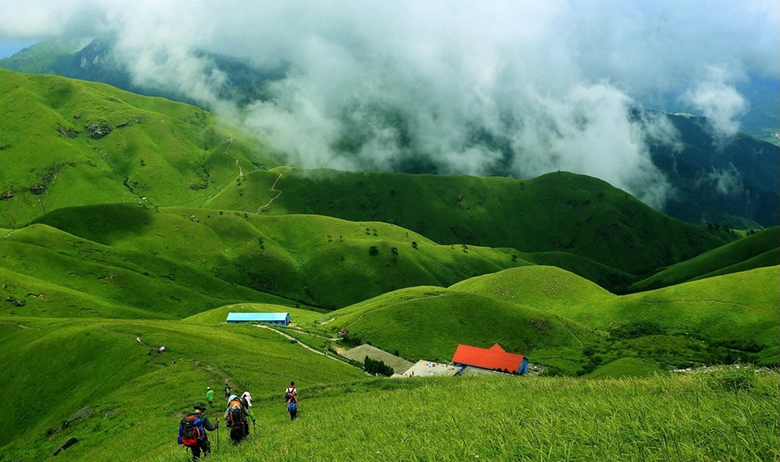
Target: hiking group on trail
{"points": [[194, 426]]}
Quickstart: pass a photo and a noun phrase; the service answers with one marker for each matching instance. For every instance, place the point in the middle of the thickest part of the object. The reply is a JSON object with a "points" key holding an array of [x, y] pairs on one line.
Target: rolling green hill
{"points": [[430, 322], [109, 146], [692, 166], [738, 311], [303, 258], [555, 212], [134, 396], [754, 251], [56, 274]]}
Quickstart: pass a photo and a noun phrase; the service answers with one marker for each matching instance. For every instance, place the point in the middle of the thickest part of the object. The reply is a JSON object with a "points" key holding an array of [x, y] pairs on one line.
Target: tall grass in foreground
{"points": [[726, 415]]}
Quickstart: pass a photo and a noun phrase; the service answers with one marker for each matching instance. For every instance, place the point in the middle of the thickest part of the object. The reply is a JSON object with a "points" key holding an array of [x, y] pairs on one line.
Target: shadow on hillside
{"points": [[105, 223]]}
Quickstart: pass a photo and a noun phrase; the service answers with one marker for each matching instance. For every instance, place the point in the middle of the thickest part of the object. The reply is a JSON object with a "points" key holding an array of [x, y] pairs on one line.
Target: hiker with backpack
{"points": [[236, 419], [292, 406], [247, 399], [192, 431], [291, 400], [210, 396], [290, 390]]}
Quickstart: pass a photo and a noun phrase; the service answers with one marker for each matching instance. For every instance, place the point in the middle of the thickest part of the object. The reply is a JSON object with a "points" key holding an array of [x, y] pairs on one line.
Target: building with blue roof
{"points": [[280, 319]]}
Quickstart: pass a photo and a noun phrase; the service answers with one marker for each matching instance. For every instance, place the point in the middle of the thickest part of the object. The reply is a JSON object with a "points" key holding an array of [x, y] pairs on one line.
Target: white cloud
{"points": [[719, 102]]}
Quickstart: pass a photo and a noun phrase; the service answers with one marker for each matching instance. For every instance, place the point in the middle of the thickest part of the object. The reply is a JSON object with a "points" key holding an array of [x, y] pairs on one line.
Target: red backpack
{"points": [[191, 430]]}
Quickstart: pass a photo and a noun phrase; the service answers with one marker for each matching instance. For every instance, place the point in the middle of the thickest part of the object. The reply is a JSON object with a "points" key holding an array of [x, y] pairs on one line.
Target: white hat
{"points": [[208, 388]]}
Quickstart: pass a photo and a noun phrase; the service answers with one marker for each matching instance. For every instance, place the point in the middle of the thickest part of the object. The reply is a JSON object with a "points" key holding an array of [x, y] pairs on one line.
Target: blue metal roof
{"points": [[257, 317]]}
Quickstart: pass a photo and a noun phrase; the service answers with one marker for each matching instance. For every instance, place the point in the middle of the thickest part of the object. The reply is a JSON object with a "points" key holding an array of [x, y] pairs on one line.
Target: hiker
{"points": [[138, 340], [290, 390], [247, 400], [292, 406], [235, 419], [192, 431], [210, 396], [227, 391]]}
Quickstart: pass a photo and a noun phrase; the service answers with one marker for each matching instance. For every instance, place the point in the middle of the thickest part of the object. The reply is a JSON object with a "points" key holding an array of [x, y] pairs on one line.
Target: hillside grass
{"points": [[430, 322], [136, 396], [159, 152], [753, 251], [304, 259], [136, 401], [555, 212], [57, 274], [718, 319], [728, 415]]}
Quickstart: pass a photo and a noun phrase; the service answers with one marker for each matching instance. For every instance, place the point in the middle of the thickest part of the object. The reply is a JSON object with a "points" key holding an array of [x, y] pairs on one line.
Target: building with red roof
{"points": [[493, 358]]}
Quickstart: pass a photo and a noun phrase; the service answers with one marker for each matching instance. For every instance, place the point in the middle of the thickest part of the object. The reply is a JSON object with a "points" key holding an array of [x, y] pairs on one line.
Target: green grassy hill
{"points": [[110, 146], [131, 409], [738, 312], [113, 146], [555, 212], [304, 258], [56, 274], [430, 322], [137, 398], [43, 57], [754, 251]]}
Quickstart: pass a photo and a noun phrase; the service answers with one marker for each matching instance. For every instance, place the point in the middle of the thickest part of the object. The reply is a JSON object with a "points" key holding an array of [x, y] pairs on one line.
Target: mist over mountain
{"points": [[515, 89]]}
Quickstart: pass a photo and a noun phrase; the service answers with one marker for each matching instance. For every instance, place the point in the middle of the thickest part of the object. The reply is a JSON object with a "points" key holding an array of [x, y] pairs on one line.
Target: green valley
{"points": [[130, 223]]}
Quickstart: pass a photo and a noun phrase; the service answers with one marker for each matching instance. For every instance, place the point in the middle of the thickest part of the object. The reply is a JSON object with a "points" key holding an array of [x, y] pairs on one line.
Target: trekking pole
{"points": [[217, 435]]}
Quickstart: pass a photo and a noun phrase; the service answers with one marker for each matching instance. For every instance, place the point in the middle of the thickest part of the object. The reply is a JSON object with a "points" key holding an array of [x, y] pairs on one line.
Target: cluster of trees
{"points": [[377, 367]]}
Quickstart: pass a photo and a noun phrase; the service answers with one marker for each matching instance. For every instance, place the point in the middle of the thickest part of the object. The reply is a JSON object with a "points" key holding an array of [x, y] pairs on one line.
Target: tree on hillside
{"points": [[377, 367]]}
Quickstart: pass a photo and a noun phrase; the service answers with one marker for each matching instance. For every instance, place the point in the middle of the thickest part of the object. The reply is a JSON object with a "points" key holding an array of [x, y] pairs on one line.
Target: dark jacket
{"points": [[207, 424]]}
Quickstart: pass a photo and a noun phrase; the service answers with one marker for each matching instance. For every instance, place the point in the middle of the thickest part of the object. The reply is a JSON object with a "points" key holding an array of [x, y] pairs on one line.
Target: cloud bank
{"points": [[515, 87]]}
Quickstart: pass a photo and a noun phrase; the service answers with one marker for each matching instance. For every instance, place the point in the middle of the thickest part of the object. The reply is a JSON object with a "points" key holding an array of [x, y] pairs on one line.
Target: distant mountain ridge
{"points": [[735, 184]]}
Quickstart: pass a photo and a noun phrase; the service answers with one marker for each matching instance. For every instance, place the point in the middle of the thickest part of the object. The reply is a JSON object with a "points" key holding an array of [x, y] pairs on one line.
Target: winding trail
{"points": [[384, 307], [211, 367], [305, 346], [227, 153], [273, 188]]}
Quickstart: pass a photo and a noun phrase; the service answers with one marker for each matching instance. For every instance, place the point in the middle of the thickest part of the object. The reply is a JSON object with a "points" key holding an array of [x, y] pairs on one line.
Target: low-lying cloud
{"points": [[719, 101], [518, 88]]}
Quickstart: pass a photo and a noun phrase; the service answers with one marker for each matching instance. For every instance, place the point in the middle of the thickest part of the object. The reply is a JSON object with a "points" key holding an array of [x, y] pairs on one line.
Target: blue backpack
{"points": [[191, 431], [292, 406]]}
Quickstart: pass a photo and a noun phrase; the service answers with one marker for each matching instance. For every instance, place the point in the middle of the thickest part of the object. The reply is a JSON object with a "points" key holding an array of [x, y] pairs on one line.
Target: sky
{"points": [[9, 47], [467, 87]]}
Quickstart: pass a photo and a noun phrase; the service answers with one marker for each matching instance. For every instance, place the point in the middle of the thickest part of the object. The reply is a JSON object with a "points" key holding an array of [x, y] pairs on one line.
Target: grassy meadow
{"points": [[119, 401], [124, 216]]}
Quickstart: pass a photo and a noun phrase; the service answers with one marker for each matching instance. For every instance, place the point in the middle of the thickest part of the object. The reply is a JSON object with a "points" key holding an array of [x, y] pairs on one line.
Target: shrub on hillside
{"points": [[377, 367], [635, 330]]}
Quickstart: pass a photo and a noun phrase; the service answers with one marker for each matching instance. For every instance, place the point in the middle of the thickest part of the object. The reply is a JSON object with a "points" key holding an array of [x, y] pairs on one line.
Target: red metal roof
{"points": [[488, 358]]}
